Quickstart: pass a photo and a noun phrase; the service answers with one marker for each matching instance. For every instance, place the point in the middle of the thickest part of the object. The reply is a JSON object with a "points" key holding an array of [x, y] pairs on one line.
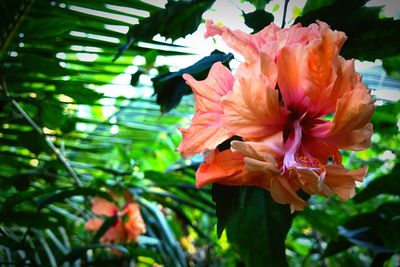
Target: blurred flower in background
{"points": [[128, 223]]}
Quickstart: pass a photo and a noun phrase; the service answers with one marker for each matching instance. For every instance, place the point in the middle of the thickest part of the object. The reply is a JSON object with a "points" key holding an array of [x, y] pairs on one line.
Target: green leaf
{"points": [[336, 246], [387, 184], [328, 13], [376, 230], [170, 87], [52, 115], [79, 94], [32, 219], [320, 221], [312, 5], [33, 141], [41, 28], [392, 66], [178, 19], [41, 64], [258, 19], [227, 201], [258, 231]]}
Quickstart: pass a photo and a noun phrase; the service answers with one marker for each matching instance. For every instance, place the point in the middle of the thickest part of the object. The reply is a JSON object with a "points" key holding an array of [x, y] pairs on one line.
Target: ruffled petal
{"points": [[205, 133], [252, 109], [206, 130], [308, 181], [102, 207], [220, 167], [283, 193], [227, 168], [342, 181], [246, 44], [258, 157], [290, 63], [350, 128]]}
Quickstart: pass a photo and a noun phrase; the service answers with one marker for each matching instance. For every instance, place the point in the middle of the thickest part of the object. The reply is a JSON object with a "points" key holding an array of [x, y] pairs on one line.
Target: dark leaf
{"points": [[253, 230], [40, 64], [135, 77], [369, 36], [320, 221], [328, 13], [375, 230], [227, 203], [312, 5], [380, 259], [364, 237], [170, 87], [33, 141], [52, 115], [336, 246], [387, 184], [258, 19], [43, 28], [32, 219]]}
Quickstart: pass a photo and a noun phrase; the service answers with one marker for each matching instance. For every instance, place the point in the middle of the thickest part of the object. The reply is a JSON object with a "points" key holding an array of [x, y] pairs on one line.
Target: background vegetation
{"points": [[69, 130]]}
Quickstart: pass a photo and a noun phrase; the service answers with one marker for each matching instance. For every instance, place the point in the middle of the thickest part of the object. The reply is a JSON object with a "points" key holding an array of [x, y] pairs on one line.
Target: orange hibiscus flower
{"points": [[279, 103], [128, 226]]}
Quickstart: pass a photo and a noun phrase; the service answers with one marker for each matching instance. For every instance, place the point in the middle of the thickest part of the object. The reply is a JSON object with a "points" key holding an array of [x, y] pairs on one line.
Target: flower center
{"points": [[293, 135]]}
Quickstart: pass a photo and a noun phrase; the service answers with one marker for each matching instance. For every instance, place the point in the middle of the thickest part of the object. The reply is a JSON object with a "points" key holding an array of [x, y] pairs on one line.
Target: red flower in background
{"points": [[294, 102], [128, 226]]}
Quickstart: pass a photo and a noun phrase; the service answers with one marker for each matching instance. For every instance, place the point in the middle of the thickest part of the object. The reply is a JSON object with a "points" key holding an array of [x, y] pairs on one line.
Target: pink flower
{"points": [[279, 103], [128, 226]]}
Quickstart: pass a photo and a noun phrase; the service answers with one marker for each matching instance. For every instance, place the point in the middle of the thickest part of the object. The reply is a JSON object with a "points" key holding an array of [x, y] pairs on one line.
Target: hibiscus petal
{"points": [[208, 92], [308, 181], [283, 193], [290, 62], [227, 168], [103, 207], [258, 157], [220, 167], [252, 109], [93, 224], [134, 225], [350, 128], [342, 181], [207, 131], [246, 44]]}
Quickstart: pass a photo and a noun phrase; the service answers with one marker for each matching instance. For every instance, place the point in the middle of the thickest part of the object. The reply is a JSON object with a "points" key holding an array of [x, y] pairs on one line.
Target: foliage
{"points": [[258, 19], [69, 131]]}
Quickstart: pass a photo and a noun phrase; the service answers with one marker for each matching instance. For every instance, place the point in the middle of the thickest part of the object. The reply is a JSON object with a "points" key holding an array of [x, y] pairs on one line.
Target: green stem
{"points": [[284, 13]]}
